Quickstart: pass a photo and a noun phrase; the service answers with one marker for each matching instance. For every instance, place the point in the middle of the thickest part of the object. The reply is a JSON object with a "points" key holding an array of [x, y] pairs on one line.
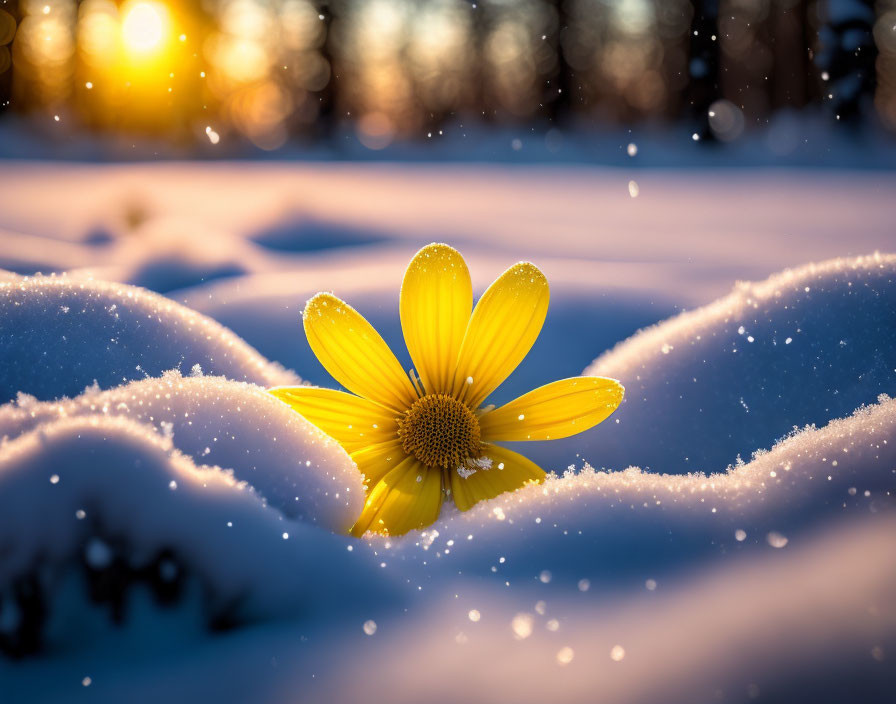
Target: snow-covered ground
{"points": [[169, 531]]}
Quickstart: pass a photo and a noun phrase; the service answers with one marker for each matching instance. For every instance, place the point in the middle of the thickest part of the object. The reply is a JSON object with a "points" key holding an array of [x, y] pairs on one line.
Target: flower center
{"points": [[439, 431]]}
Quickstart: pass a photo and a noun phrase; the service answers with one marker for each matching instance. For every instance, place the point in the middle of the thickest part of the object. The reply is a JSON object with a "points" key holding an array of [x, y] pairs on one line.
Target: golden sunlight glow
{"points": [[145, 27]]}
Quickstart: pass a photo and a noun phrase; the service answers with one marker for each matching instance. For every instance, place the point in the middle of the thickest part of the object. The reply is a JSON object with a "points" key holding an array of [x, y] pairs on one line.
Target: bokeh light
{"points": [[145, 26], [390, 70]]}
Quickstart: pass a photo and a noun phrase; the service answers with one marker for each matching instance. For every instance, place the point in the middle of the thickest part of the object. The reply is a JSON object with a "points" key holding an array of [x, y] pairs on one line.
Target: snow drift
{"points": [[606, 527], [296, 468], [59, 335], [716, 383], [112, 488], [174, 499]]}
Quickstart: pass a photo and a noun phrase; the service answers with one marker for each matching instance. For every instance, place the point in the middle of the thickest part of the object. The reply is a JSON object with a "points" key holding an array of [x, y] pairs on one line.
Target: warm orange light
{"points": [[145, 27]]}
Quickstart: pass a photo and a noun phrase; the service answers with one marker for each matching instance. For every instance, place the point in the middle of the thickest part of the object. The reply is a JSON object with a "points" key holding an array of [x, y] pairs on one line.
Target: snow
{"points": [[140, 494], [170, 531], [767, 624], [59, 335], [294, 466], [633, 521], [802, 347]]}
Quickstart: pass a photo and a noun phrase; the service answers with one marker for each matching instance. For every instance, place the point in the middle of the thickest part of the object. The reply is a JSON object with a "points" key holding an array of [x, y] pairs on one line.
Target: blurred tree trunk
{"points": [[561, 84], [849, 57], [327, 119], [792, 52], [11, 8], [703, 63], [481, 26]]}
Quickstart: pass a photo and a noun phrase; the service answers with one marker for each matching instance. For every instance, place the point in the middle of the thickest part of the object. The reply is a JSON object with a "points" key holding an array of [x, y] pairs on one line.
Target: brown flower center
{"points": [[440, 431]]}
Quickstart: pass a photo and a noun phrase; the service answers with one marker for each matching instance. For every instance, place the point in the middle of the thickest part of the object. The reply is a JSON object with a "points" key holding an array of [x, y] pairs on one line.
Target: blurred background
{"points": [[193, 78]]}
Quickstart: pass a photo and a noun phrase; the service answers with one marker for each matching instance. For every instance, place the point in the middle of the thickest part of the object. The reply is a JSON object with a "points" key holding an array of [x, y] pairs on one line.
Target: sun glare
{"points": [[145, 27]]}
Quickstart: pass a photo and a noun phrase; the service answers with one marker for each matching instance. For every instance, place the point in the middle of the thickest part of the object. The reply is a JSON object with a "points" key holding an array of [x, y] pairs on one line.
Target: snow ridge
{"points": [[632, 520], [716, 383], [59, 335], [296, 468], [98, 488]]}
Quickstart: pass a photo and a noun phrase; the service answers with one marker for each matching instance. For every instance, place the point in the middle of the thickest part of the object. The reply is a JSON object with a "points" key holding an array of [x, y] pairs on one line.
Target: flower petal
{"points": [[509, 471], [353, 421], [502, 329], [435, 304], [376, 461], [354, 353], [408, 497], [556, 410]]}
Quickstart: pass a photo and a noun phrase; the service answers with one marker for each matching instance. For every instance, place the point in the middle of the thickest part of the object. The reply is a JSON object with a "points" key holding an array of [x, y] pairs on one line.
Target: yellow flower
{"points": [[419, 438]]}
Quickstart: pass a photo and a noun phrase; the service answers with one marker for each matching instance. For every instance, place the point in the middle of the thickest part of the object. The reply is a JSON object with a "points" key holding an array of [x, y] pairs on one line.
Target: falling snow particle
{"points": [[286, 536], [54, 479], [370, 627], [776, 540], [650, 584], [633, 189], [740, 535], [617, 653], [632, 149], [474, 615], [213, 136], [584, 585], [86, 682], [545, 576], [521, 625], [565, 655]]}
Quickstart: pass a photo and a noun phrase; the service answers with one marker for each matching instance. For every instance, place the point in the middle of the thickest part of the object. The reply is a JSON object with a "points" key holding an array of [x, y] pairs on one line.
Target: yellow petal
{"points": [[353, 421], [508, 471], [354, 353], [376, 461], [556, 410], [502, 329], [435, 304], [408, 497]]}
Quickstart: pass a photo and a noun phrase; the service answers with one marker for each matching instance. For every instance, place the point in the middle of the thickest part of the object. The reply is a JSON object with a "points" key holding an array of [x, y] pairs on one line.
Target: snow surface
{"points": [[157, 542], [74, 483], [296, 468], [630, 521], [59, 335], [802, 347]]}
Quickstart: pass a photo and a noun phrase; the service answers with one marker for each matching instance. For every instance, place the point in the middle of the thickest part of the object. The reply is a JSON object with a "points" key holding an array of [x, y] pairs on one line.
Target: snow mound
{"points": [[296, 468], [607, 526], [716, 383], [59, 335], [115, 498], [807, 624]]}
